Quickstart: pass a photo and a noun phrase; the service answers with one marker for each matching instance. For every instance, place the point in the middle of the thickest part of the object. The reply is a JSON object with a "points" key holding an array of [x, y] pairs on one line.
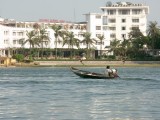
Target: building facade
{"points": [[123, 17], [115, 22]]}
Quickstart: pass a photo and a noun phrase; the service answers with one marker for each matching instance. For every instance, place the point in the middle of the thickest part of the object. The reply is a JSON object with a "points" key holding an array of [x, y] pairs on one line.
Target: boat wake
{"points": [[138, 78]]}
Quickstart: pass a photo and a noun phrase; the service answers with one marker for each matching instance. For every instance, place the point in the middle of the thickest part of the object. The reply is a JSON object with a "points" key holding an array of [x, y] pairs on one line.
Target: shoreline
{"points": [[100, 63], [87, 64]]}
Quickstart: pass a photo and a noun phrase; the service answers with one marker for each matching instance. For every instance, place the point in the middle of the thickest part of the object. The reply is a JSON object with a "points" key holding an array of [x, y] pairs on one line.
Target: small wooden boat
{"points": [[93, 75]]}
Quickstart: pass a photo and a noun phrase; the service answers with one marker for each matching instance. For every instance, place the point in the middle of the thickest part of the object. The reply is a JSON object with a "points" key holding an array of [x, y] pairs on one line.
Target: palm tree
{"points": [[114, 45], [71, 41], [120, 48], [88, 41], [101, 38], [58, 33], [123, 49], [153, 33], [32, 39], [43, 38]]}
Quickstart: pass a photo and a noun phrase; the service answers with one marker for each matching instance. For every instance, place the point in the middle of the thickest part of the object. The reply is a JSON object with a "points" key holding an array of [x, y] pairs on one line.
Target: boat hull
{"points": [[92, 75]]}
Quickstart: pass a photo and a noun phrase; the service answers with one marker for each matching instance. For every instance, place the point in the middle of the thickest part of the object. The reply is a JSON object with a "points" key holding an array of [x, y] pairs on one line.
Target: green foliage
{"points": [[18, 57], [58, 34], [71, 41], [111, 57], [89, 43], [154, 34], [136, 47]]}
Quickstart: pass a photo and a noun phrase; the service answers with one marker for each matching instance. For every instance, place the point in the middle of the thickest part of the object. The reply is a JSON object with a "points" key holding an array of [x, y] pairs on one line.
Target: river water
{"points": [[55, 93]]}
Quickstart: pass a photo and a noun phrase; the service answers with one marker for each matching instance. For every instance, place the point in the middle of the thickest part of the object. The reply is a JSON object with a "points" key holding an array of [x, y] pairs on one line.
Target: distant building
{"points": [[12, 32], [115, 22], [123, 17]]}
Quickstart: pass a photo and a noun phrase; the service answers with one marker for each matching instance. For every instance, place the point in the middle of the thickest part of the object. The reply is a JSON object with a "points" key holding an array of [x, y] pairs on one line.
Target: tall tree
{"points": [[44, 39], [135, 33], [154, 34], [123, 49], [136, 38], [114, 45], [71, 41], [120, 48], [101, 39], [88, 41], [58, 34], [139, 44], [32, 39]]}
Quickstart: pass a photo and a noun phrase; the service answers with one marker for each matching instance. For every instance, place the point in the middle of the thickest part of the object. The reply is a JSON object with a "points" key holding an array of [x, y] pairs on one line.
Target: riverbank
{"points": [[89, 64]]}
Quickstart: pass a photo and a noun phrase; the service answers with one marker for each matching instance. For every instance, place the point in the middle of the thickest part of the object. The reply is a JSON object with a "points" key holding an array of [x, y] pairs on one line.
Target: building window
{"points": [[135, 28], [111, 12], [6, 41], [98, 27], [98, 16], [6, 32], [123, 20], [112, 28], [20, 33], [112, 20], [112, 35], [124, 12], [104, 27], [123, 36], [99, 43], [14, 33], [136, 11], [105, 21], [21, 41], [123, 28], [14, 42], [135, 20]]}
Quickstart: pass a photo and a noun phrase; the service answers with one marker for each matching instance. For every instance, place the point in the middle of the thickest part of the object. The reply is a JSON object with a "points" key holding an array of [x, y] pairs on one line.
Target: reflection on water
{"points": [[56, 93]]}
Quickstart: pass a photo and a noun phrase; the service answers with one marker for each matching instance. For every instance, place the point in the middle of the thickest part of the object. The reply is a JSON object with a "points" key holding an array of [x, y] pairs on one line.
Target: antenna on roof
{"points": [[74, 15]]}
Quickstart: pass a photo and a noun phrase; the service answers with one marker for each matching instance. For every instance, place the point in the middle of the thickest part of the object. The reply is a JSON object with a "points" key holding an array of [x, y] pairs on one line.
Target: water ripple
{"points": [[56, 93]]}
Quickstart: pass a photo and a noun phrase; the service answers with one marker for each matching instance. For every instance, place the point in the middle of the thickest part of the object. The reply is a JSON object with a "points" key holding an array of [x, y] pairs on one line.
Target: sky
{"points": [[68, 10]]}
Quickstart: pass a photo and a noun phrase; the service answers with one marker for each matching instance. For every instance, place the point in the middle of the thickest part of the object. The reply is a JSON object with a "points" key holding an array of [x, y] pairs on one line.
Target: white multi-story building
{"points": [[115, 22], [12, 32], [97, 27], [123, 17]]}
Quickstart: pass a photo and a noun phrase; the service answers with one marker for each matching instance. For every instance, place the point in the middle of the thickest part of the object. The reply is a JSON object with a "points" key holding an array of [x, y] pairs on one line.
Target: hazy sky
{"points": [[69, 10]]}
